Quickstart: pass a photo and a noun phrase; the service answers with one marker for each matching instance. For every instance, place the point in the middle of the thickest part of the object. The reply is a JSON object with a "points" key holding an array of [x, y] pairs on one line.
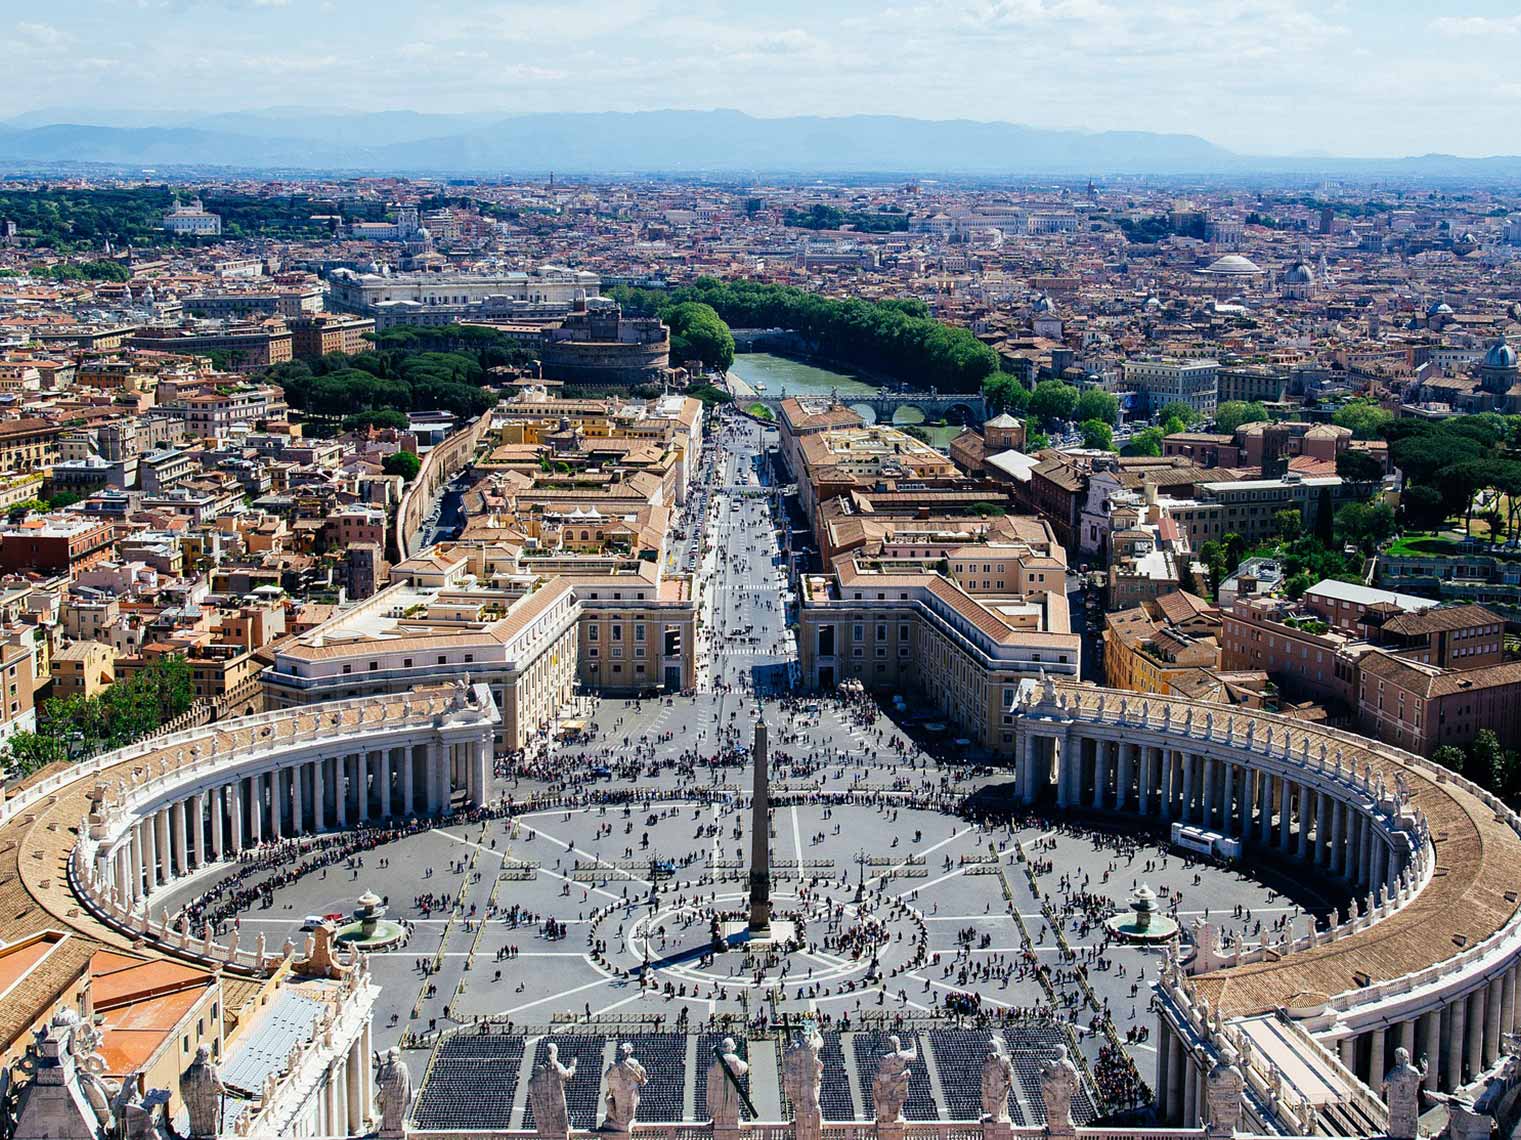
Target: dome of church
{"points": [[1500, 356], [1299, 274], [1233, 264], [1438, 309], [1042, 304]]}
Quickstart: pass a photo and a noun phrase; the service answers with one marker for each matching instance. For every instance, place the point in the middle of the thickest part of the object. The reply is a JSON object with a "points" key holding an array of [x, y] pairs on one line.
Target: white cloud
{"points": [[1476, 27], [43, 35]]}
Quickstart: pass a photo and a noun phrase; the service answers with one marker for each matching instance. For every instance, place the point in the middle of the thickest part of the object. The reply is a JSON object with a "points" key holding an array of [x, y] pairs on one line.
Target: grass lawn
{"points": [[1422, 544]]}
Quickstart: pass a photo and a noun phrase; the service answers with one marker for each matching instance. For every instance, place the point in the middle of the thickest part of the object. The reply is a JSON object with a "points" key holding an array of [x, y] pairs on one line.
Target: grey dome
{"points": [[1299, 274], [1501, 357], [1233, 264]]}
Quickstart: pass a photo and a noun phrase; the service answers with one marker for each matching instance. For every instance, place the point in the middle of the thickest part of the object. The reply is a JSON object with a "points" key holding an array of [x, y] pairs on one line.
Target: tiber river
{"points": [[782, 376]]}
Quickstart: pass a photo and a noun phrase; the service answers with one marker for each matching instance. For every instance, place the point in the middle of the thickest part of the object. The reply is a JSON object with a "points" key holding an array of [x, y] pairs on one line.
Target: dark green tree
{"points": [[1096, 404], [1233, 413], [1053, 401], [1097, 435], [403, 463]]}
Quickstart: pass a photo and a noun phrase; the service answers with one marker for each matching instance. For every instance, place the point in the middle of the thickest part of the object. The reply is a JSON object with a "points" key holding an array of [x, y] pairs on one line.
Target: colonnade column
{"points": [[1378, 1043], [1169, 760], [1126, 774], [1100, 772], [1188, 787], [1492, 1024], [198, 829], [1431, 1046], [218, 806], [385, 783], [138, 861], [407, 785], [354, 1061], [319, 795]]}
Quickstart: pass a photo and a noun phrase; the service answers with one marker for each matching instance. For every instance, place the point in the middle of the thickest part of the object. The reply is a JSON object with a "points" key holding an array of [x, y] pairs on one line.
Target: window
{"points": [[591, 633]]}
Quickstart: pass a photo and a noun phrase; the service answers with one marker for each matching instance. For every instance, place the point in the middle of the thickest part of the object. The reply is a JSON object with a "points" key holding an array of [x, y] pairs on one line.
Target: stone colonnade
{"points": [[1295, 812], [312, 790]]}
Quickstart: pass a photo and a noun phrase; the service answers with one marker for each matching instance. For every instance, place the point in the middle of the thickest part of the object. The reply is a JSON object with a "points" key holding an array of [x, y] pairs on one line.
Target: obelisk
{"points": [[760, 841]]}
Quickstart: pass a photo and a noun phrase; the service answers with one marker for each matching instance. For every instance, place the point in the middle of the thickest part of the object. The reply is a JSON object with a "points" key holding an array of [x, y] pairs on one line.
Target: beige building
{"points": [[899, 628], [532, 634]]}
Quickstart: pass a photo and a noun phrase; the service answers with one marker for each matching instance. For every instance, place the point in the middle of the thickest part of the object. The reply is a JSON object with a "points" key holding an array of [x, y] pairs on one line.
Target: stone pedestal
{"points": [[997, 1129], [889, 1130]]}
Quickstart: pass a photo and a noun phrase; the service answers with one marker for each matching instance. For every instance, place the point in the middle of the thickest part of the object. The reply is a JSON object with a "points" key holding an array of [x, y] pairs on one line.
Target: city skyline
{"points": [[1269, 79]]}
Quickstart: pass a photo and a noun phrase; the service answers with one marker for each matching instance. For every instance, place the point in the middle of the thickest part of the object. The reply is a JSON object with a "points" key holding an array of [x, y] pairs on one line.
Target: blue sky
{"points": [[1262, 76]]}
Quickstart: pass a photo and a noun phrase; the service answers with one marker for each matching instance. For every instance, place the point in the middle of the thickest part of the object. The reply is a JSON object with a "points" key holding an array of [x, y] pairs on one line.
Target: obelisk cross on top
{"points": [[760, 841]]}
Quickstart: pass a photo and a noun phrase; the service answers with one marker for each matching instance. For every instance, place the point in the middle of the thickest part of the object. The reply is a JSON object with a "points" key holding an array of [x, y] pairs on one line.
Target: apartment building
{"points": [[57, 542], [1422, 707], [1157, 646], [1246, 507], [1163, 380], [409, 635], [315, 336], [1306, 655], [28, 444], [531, 630], [248, 348]]}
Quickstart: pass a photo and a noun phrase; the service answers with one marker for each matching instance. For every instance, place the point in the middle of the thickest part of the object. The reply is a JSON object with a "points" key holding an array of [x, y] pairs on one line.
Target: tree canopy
{"points": [[1004, 393], [1097, 434], [1053, 401], [1366, 419], [896, 338], [697, 333], [1096, 404], [403, 463], [403, 374], [1147, 441], [1233, 413], [77, 727]]}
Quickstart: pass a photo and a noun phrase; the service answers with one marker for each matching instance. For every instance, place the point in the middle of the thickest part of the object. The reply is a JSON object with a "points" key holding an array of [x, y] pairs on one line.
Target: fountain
{"points": [[370, 930], [1145, 922]]}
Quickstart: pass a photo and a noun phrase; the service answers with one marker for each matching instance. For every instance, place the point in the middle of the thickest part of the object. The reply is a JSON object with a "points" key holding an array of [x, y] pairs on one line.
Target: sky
{"points": [[1340, 77]]}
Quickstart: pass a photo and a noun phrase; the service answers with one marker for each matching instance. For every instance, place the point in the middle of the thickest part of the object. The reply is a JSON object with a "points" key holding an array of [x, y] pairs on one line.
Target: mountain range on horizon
{"points": [[651, 142]]}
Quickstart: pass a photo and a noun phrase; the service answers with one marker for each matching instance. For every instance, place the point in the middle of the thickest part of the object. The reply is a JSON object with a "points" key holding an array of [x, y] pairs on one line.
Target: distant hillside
{"points": [[696, 142], [652, 141]]}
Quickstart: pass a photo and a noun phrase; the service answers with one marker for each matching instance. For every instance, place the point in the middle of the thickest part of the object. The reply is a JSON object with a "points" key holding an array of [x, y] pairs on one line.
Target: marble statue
{"points": [[546, 1095], [889, 1088], [1222, 1095], [202, 1090], [802, 1078], [1402, 1093], [624, 1078], [723, 1096], [997, 1080], [1058, 1085], [393, 1094]]}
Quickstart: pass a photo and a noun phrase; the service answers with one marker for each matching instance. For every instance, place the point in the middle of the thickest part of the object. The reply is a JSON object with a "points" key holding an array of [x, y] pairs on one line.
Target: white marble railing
{"points": [[286, 1095], [1264, 1083], [845, 1130]]}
